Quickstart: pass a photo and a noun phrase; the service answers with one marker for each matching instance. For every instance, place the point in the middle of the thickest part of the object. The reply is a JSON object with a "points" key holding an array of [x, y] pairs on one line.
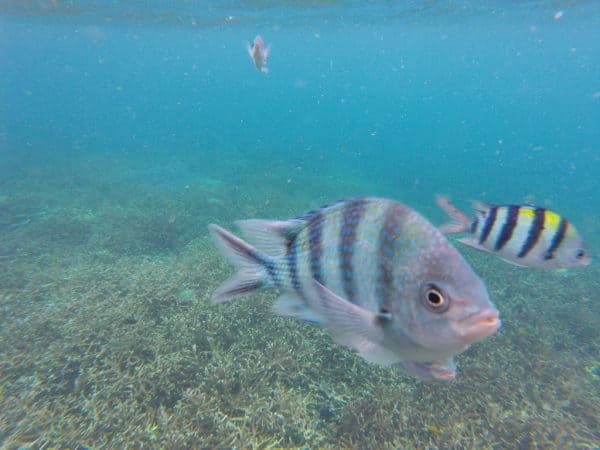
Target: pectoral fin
{"points": [[351, 325]]}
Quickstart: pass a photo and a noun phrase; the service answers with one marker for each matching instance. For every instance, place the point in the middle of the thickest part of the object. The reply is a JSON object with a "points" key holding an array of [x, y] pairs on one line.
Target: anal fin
{"points": [[290, 305], [514, 263], [471, 242]]}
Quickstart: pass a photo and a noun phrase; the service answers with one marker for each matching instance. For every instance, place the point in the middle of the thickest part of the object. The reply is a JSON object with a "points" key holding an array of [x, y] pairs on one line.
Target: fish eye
{"points": [[580, 254], [435, 300]]}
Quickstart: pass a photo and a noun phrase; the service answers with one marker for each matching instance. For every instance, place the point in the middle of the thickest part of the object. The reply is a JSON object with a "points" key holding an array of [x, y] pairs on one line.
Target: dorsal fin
{"points": [[273, 236], [309, 214], [481, 207], [270, 236]]}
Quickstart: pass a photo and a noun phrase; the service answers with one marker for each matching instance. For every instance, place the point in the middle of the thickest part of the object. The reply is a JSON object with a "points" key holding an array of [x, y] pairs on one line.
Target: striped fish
{"points": [[375, 273], [520, 234]]}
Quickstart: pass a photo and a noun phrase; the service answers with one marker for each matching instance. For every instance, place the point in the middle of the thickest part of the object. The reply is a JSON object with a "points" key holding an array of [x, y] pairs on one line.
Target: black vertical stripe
{"points": [[351, 217], [474, 225], [559, 236], [315, 236], [292, 260], [269, 264], [488, 224], [507, 227], [534, 233], [391, 228]]}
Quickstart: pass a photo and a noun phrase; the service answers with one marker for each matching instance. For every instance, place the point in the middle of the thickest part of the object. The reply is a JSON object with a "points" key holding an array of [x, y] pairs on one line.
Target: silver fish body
{"points": [[259, 54], [524, 235], [381, 278]]}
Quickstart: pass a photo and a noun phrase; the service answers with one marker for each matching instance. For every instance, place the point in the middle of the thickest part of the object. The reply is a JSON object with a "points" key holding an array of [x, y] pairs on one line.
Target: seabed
{"points": [[108, 339]]}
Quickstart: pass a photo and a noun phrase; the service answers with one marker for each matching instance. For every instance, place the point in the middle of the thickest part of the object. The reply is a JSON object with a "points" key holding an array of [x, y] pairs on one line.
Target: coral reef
{"points": [[107, 339]]}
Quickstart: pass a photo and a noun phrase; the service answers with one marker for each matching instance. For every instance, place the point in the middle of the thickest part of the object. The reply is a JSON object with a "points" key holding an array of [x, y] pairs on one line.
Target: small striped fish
{"points": [[381, 278], [520, 234]]}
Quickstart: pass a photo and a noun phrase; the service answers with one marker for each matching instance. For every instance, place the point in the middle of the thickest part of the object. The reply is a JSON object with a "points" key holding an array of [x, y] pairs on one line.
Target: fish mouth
{"points": [[481, 324]]}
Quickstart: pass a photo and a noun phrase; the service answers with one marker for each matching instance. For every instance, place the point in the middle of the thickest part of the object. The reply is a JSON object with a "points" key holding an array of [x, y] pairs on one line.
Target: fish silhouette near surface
{"points": [[376, 274], [523, 235], [259, 54]]}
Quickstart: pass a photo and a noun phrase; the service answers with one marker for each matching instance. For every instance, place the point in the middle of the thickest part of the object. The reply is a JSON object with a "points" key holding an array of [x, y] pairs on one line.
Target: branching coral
{"points": [[107, 339]]}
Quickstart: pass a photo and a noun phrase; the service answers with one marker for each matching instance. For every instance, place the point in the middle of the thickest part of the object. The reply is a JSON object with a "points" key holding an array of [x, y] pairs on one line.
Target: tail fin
{"points": [[252, 265], [460, 221]]}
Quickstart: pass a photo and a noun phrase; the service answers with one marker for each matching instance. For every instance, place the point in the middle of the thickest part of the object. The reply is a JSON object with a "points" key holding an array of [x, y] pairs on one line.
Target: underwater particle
{"points": [[300, 83], [523, 235], [558, 15], [375, 273], [259, 54]]}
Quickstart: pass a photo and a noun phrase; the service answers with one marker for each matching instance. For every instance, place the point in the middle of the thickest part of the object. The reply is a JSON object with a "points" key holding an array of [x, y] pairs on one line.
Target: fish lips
{"points": [[480, 324]]}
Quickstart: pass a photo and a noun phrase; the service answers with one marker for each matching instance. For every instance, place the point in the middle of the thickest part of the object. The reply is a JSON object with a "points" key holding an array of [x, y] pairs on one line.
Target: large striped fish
{"points": [[520, 234], [381, 278]]}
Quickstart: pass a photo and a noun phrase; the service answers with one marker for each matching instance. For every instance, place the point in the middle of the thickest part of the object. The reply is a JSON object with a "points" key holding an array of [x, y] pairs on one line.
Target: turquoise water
{"points": [[127, 127]]}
